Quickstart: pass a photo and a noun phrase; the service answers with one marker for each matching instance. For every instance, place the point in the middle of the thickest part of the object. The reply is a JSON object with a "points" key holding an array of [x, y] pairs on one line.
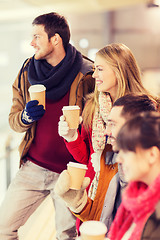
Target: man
{"points": [[66, 75], [108, 194]]}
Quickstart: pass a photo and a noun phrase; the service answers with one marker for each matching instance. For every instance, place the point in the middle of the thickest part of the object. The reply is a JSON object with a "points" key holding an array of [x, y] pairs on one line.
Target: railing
{"points": [[8, 164]]}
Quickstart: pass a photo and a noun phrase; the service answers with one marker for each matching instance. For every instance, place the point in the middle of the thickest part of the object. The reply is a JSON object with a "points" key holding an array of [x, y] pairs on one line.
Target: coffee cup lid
{"points": [[37, 88], [93, 228], [74, 107], [77, 165]]}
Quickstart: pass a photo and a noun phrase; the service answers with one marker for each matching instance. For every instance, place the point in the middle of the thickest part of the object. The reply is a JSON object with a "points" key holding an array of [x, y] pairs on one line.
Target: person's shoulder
{"points": [[25, 64], [87, 66], [152, 227], [23, 69], [157, 211]]}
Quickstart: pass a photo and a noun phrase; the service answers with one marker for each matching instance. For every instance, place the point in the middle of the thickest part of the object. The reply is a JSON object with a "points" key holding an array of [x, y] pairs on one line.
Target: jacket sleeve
{"points": [[18, 104], [80, 148], [84, 215]]}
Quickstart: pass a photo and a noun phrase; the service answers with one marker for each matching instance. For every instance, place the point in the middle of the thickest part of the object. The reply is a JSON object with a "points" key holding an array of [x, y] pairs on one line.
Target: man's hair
{"points": [[133, 104], [54, 23], [141, 131]]}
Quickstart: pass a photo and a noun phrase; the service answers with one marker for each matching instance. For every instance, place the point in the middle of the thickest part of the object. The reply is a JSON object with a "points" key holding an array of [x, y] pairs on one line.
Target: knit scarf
{"points": [[99, 120], [58, 79], [138, 203], [98, 138]]}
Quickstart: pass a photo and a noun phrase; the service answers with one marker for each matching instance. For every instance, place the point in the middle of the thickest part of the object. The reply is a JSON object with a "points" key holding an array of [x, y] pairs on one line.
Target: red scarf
{"points": [[138, 203]]}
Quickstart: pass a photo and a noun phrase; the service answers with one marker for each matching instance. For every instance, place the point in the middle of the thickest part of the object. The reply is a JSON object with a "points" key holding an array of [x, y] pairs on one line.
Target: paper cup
{"points": [[38, 92], [93, 230], [77, 172], [71, 114]]}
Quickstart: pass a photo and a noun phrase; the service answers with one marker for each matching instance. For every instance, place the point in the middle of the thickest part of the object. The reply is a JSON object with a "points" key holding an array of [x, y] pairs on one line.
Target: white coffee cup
{"points": [[93, 230]]}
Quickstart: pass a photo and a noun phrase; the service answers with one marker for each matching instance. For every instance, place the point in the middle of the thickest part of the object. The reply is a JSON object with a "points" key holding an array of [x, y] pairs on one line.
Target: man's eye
{"points": [[111, 124]]}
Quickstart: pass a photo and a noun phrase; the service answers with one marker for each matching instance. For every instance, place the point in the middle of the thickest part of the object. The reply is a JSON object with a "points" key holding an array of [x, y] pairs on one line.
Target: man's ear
{"points": [[56, 39], [154, 154]]}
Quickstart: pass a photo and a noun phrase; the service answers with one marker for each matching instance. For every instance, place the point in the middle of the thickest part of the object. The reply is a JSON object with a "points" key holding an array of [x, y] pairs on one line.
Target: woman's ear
{"points": [[154, 154]]}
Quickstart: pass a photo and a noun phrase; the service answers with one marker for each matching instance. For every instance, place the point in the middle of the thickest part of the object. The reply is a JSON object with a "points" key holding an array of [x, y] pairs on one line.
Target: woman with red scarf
{"points": [[138, 216]]}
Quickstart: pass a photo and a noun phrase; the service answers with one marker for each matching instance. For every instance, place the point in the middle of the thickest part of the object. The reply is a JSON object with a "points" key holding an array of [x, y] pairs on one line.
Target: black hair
{"points": [[140, 131], [54, 23], [134, 104]]}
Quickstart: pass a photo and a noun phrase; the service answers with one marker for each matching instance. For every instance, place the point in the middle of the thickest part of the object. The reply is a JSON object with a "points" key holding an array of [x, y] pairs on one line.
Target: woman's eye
{"points": [[100, 69]]}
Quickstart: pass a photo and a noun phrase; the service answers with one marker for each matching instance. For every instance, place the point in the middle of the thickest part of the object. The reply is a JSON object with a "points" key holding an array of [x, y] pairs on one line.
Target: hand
{"points": [[32, 112], [64, 131], [74, 199]]}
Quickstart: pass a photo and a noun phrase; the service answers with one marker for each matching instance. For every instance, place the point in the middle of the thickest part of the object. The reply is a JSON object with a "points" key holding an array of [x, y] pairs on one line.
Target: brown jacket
{"points": [[82, 85]]}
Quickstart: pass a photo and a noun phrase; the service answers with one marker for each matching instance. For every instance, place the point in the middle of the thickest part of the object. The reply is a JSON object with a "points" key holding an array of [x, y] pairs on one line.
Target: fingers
{"points": [[63, 183], [32, 103], [62, 118], [85, 183], [37, 108], [63, 127]]}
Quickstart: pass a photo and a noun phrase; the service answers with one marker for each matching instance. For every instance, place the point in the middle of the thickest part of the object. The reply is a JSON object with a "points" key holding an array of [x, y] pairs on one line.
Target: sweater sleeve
{"points": [[80, 148], [18, 104]]}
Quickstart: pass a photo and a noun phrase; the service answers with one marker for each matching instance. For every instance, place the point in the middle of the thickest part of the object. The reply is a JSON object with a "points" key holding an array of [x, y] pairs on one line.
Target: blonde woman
{"points": [[116, 74]]}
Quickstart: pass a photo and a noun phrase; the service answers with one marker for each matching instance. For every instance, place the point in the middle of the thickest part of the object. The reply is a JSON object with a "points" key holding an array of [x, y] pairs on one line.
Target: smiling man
{"points": [[111, 180], [67, 76], [123, 109]]}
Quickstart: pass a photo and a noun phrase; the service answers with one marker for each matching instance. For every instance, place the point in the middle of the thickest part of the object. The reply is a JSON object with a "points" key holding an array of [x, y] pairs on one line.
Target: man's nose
{"points": [[107, 131], [32, 43]]}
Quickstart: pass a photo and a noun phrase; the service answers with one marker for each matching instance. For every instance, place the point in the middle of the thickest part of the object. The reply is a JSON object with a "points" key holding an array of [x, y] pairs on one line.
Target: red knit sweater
{"points": [[48, 149]]}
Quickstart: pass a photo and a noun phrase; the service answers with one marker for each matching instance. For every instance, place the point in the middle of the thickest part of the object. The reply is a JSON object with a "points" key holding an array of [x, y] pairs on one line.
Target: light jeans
{"points": [[28, 189]]}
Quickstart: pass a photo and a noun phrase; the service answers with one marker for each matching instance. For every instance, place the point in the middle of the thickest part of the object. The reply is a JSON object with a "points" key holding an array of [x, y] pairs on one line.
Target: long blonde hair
{"points": [[122, 61]]}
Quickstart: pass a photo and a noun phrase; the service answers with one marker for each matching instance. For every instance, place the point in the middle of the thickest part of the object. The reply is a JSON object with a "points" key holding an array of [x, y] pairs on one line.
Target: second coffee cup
{"points": [[71, 114], [77, 172]]}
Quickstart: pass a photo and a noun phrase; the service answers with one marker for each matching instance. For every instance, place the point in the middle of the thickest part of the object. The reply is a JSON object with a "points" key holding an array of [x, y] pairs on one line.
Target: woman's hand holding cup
{"points": [[64, 131]]}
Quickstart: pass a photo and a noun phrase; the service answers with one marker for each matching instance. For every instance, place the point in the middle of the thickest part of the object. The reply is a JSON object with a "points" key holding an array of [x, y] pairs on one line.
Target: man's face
{"points": [[43, 47], [114, 124]]}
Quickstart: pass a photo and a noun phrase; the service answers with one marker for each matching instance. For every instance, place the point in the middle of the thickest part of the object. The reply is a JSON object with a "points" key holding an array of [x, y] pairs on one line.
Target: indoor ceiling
{"points": [[14, 9]]}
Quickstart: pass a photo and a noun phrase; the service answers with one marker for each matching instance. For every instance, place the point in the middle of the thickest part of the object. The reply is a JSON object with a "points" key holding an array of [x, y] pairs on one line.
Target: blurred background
{"points": [[94, 24]]}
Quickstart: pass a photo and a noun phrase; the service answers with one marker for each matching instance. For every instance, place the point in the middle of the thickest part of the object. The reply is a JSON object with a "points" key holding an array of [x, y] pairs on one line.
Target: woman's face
{"points": [[135, 165], [105, 77]]}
